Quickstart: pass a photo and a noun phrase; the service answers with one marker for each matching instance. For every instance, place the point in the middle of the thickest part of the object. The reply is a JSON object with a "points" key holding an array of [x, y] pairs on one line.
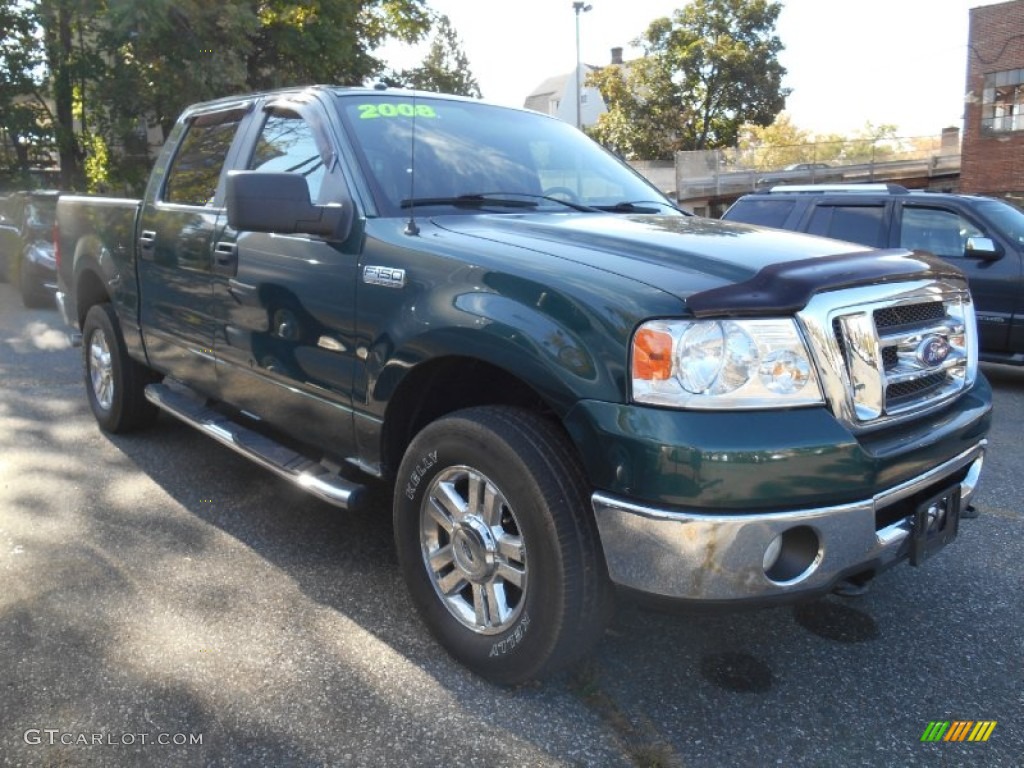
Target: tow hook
{"points": [[852, 587]]}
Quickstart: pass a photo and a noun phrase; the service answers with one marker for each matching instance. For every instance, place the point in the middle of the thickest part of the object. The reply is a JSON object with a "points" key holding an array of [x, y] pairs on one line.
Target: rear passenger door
{"points": [[943, 230], [175, 237], [855, 221]]}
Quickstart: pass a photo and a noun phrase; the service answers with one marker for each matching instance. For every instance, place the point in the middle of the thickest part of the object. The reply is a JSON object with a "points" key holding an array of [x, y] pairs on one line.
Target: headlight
{"points": [[723, 364]]}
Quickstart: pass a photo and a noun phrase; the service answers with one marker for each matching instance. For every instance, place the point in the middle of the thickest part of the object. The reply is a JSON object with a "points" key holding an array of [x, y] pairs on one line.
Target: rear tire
{"points": [[497, 543], [33, 296], [114, 382]]}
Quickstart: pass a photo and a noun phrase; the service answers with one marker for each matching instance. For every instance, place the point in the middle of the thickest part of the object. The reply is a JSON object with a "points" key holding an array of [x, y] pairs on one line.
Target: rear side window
{"points": [[195, 172], [855, 223], [764, 213]]}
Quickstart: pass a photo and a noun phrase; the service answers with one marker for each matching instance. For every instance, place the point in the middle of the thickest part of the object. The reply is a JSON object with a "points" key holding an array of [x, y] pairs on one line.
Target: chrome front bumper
{"points": [[702, 557]]}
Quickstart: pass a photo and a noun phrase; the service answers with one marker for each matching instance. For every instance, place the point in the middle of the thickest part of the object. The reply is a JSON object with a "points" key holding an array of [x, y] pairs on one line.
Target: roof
{"points": [[556, 84]]}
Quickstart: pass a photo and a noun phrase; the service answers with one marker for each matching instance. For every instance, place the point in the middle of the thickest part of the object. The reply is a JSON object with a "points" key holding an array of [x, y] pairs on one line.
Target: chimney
{"points": [[616, 55]]}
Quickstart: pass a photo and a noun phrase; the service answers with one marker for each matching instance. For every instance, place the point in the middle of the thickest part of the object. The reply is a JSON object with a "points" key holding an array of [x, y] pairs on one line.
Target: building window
{"points": [[583, 97], [1002, 101]]}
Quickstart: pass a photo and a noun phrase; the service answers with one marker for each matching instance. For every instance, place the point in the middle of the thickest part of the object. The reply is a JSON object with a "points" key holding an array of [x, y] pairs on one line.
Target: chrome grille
{"points": [[890, 352], [910, 314]]}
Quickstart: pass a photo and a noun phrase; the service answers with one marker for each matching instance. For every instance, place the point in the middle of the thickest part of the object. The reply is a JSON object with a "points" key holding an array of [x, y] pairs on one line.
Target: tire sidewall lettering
{"points": [[512, 639], [516, 640], [418, 473]]}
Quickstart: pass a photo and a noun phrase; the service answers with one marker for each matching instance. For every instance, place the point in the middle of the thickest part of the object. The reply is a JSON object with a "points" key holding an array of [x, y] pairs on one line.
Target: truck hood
{"points": [[685, 256]]}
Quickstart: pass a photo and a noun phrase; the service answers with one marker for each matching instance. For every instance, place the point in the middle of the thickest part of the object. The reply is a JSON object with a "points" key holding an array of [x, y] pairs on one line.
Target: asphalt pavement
{"points": [[164, 602]]}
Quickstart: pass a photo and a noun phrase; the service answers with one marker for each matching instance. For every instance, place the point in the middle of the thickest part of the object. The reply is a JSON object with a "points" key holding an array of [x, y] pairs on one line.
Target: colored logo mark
{"points": [[959, 730]]}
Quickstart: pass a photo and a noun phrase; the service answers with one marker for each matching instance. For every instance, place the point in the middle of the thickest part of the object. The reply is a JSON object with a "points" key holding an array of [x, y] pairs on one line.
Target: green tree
{"points": [[707, 71], [872, 143], [328, 41], [782, 143], [638, 124], [94, 76], [445, 69], [23, 112], [774, 146], [63, 25]]}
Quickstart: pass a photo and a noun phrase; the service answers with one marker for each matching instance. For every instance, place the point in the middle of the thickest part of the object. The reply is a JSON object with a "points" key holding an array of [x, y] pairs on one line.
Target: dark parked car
{"points": [[26, 245], [8, 237], [797, 173], [982, 236]]}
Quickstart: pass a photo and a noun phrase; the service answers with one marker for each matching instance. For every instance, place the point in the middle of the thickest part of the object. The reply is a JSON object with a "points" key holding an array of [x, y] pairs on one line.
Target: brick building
{"points": [[992, 160]]}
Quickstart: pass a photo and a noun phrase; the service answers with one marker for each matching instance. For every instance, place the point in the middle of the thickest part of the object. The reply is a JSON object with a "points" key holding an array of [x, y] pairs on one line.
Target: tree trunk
{"points": [[59, 51]]}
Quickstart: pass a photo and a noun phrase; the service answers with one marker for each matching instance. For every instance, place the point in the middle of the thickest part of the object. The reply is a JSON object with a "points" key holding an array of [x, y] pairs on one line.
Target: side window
{"points": [[854, 223], [939, 231], [765, 213], [195, 172], [286, 145]]}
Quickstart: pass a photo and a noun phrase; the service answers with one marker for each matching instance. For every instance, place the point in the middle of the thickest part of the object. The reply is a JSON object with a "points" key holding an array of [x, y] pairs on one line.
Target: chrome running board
{"points": [[283, 461]]}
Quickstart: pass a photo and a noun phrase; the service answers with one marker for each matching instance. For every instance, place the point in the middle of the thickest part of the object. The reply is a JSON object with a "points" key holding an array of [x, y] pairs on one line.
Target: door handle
{"points": [[225, 253], [225, 258], [147, 239]]}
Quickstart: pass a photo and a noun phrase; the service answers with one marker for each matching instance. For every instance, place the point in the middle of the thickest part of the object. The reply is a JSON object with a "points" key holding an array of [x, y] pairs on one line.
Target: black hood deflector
{"points": [[787, 287]]}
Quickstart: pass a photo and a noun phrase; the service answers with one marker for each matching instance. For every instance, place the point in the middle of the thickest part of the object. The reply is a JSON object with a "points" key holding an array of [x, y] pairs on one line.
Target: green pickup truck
{"points": [[572, 386]]}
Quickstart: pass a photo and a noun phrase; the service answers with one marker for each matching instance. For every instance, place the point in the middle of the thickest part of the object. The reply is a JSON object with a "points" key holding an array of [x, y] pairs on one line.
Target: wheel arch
{"points": [[89, 286], [502, 352], [447, 384], [89, 291]]}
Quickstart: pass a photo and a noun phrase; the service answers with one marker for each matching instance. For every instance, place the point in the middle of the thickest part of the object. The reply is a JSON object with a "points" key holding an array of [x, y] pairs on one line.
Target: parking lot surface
{"points": [[164, 602]]}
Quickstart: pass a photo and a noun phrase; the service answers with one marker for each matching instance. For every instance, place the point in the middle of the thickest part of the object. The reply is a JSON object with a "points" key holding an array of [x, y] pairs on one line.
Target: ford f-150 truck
{"points": [[570, 385]]}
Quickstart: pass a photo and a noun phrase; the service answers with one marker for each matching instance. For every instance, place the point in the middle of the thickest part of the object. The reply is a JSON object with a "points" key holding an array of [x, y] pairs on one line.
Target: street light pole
{"points": [[579, 7]]}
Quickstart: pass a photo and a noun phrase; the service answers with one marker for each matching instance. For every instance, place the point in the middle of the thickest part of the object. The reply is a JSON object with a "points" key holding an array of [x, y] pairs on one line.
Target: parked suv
{"points": [[982, 236]]}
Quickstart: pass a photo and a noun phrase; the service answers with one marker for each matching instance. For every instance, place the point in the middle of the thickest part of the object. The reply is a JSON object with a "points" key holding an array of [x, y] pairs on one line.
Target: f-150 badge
{"points": [[389, 277]]}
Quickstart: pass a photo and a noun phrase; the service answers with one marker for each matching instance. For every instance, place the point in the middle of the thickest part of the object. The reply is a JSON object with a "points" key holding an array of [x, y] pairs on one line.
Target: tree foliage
{"points": [[707, 71], [25, 125], [101, 79], [782, 144], [445, 69]]}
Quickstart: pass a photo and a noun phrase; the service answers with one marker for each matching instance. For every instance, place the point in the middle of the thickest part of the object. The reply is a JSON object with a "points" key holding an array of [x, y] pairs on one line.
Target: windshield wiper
{"points": [[637, 206], [496, 199], [467, 201]]}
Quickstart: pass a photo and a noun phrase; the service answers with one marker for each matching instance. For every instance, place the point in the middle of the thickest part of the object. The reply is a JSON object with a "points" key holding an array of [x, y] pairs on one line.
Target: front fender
{"points": [[552, 346]]}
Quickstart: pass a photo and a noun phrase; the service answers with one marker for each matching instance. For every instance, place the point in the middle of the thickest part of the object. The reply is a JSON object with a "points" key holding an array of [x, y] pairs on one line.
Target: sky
{"points": [[849, 62]]}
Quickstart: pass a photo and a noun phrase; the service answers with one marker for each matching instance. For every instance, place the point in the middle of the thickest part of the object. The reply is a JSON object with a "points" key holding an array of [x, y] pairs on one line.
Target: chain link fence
{"points": [[718, 172]]}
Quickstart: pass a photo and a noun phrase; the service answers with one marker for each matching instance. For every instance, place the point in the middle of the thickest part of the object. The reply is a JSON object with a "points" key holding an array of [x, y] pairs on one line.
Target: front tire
{"points": [[114, 382], [497, 544]]}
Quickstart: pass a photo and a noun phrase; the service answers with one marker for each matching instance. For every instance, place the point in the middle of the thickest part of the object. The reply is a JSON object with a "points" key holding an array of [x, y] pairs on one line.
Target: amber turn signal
{"points": [[652, 355]]}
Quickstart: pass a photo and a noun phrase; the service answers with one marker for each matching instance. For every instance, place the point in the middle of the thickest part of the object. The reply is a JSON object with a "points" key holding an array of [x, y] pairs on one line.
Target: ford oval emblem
{"points": [[933, 351]]}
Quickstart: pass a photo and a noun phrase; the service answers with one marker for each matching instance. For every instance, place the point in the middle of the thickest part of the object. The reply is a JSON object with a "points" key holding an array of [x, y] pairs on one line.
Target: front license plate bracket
{"points": [[936, 524]]}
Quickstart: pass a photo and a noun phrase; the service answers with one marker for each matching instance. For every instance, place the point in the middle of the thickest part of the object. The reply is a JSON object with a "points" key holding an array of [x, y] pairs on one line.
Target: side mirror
{"points": [[984, 248], [279, 202]]}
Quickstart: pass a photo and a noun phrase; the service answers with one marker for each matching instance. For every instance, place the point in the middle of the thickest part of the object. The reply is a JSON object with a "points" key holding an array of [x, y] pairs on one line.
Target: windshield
{"points": [[40, 215], [1007, 218], [476, 157]]}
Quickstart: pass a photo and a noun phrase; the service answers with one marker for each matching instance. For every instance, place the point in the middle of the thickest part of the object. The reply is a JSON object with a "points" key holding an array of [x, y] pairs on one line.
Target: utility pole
{"points": [[579, 7]]}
